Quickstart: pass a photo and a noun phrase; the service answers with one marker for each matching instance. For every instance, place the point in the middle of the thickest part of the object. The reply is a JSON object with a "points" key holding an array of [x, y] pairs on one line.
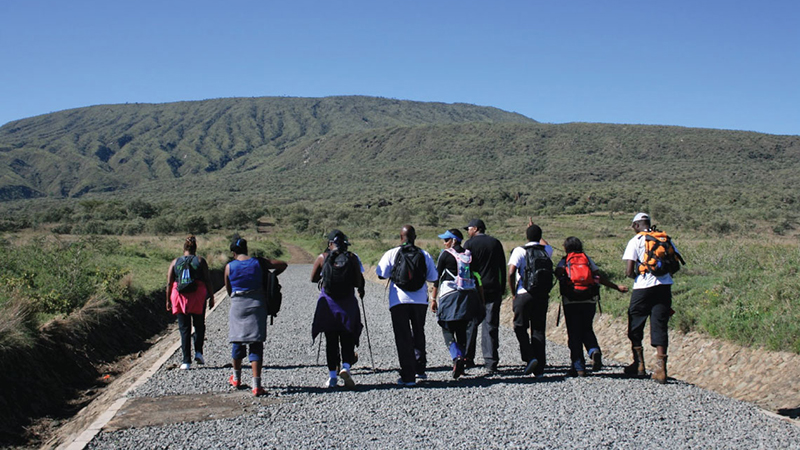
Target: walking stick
{"points": [[319, 346], [366, 328]]}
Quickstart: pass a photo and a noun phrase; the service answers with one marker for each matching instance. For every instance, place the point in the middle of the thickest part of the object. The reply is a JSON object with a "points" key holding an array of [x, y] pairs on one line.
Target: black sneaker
{"points": [[531, 366], [597, 361], [458, 368]]}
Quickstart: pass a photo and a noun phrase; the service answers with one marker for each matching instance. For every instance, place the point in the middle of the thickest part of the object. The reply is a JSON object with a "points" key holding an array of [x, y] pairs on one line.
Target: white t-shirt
{"points": [[398, 296], [635, 252], [517, 259]]}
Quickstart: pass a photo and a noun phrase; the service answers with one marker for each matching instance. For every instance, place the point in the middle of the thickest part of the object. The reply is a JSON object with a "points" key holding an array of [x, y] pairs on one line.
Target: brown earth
{"points": [[770, 380]]}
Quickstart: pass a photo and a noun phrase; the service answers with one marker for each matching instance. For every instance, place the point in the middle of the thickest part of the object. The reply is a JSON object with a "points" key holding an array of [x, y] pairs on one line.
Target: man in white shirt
{"points": [[530, 308], [409, 306], [651, 297]]}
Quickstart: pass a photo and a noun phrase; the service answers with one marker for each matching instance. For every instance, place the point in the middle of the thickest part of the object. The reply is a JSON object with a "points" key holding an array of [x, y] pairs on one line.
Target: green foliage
{"points": [[195, 224], [58, 277]]}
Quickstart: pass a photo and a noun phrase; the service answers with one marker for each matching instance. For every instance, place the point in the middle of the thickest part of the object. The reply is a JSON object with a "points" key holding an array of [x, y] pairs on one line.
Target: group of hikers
{"points": [[468, 283]]}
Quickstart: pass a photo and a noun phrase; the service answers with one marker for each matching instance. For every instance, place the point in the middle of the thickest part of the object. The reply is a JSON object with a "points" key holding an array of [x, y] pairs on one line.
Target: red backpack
{"points": [[579, 284]]}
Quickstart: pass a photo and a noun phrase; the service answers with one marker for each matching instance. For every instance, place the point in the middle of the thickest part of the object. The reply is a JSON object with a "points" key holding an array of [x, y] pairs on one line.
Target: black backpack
{"points": [[409, 270], [339, 273], [272, 290], [186, 270], [537, 277]]}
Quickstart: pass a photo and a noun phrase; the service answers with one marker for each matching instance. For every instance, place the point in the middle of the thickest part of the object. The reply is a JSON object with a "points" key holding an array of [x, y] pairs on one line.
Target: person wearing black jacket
{"points": [[489, 260]]}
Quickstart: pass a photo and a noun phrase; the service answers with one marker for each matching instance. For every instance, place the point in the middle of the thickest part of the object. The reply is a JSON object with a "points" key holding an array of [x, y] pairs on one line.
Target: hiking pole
{"points": [[366, 328], [319, 347]]}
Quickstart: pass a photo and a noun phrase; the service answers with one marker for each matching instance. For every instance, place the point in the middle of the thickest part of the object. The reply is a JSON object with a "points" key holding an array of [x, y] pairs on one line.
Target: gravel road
{"points": [[507, 410]]}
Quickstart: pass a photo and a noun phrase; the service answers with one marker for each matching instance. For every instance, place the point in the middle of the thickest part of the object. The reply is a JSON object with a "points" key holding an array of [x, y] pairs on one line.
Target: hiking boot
{"points": [[235, 383], [660, 370], [259, 391], [531, 366], [458, 368], [344, 374], [422, 376], [186, 366], [400, 382], [597, 361], [331, 382], [636, 368], [198, 357], [355, 359]]}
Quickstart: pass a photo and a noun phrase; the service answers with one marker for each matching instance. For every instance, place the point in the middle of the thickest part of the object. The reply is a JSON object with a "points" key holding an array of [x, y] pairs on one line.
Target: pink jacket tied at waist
{"points": [[189, 302]]}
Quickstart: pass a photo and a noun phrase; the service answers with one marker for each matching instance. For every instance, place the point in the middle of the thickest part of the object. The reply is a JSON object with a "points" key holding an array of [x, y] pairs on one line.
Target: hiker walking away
{"points": [[489, 260], [651, 295], [530, 278], [408, 267], [337, 314], [457, 297], [188, 290], [579, 281], [247, 322]]}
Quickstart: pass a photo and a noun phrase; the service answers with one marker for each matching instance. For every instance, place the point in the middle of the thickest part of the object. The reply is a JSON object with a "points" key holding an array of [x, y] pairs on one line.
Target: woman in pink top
{"points": [[188, 288]]}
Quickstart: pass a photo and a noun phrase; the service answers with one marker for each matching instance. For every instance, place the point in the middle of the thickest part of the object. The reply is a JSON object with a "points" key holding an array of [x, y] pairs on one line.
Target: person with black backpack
{"points": [[457, 297], [408, 269], [530, 292], [188, 290], [579, 284], [338, 272]]}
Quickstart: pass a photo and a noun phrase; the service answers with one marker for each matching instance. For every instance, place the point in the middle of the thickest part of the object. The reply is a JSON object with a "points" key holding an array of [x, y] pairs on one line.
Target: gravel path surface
{"points": [[508, 410]]}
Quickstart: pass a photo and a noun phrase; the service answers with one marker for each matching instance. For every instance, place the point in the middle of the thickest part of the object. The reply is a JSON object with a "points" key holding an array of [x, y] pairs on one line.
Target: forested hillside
{"points": [[409, 158], [112, 147]]}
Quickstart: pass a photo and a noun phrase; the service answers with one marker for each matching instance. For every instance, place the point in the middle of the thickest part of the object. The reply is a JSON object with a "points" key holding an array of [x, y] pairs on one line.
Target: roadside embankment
{"points": [[71, 360], [768, 379]]}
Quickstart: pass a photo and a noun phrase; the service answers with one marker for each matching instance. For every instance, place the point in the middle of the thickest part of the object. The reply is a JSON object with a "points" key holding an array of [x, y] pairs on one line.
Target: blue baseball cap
{"points": [[449, 235]]}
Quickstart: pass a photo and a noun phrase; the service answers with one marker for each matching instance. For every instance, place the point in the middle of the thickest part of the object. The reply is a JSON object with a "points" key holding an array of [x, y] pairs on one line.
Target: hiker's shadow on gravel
{"points": [[792, 413]]}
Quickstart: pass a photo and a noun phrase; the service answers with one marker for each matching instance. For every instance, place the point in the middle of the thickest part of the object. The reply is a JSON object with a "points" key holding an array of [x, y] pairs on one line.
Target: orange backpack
{"points": [[660, 257]]}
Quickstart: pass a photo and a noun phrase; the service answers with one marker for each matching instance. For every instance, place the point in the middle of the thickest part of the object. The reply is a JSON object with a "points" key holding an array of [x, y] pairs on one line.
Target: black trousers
{"points": [[408, 323], [456, 332], [655, 302], [531, 312], [579, 318], [339, 339], [185, 322], [490, 332]]}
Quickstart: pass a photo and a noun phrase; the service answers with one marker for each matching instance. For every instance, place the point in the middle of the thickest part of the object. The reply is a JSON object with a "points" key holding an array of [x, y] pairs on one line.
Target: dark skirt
{"points": [[341, 314], [459, 305]]}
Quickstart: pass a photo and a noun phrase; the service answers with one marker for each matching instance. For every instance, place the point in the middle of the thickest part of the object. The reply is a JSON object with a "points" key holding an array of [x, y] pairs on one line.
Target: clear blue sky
{"points": [[714, 64]]}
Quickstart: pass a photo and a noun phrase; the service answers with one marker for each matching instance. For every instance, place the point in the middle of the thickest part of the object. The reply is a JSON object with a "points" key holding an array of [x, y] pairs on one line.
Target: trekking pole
{"points": [[319, 347], [366, 328]]}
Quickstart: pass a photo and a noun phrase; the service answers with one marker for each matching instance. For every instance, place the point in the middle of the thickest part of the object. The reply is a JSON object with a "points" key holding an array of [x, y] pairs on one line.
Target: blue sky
{"points": [[711, 64]]}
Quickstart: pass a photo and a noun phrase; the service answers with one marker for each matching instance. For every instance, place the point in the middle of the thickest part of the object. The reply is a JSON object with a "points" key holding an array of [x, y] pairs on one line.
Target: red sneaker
{"points": [[259, 391], [234, 383]]}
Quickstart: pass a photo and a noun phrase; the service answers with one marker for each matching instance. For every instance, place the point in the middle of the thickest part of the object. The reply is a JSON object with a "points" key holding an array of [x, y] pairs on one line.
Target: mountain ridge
{"points": [[110, 147]]}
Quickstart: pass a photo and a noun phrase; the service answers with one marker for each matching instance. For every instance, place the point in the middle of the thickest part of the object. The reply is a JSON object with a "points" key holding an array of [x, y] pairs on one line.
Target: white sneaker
{"points": [[199, 358], [331, 382], [186, 366], [406, 383], [344, 374]]}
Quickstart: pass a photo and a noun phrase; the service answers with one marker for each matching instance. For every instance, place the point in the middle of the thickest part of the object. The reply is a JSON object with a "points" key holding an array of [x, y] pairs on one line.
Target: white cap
{"points": [[641, 216]]}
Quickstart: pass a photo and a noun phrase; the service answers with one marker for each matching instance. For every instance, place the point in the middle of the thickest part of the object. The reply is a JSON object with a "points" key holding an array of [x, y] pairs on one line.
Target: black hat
{"points": [[477, 223], [337, 237]]}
